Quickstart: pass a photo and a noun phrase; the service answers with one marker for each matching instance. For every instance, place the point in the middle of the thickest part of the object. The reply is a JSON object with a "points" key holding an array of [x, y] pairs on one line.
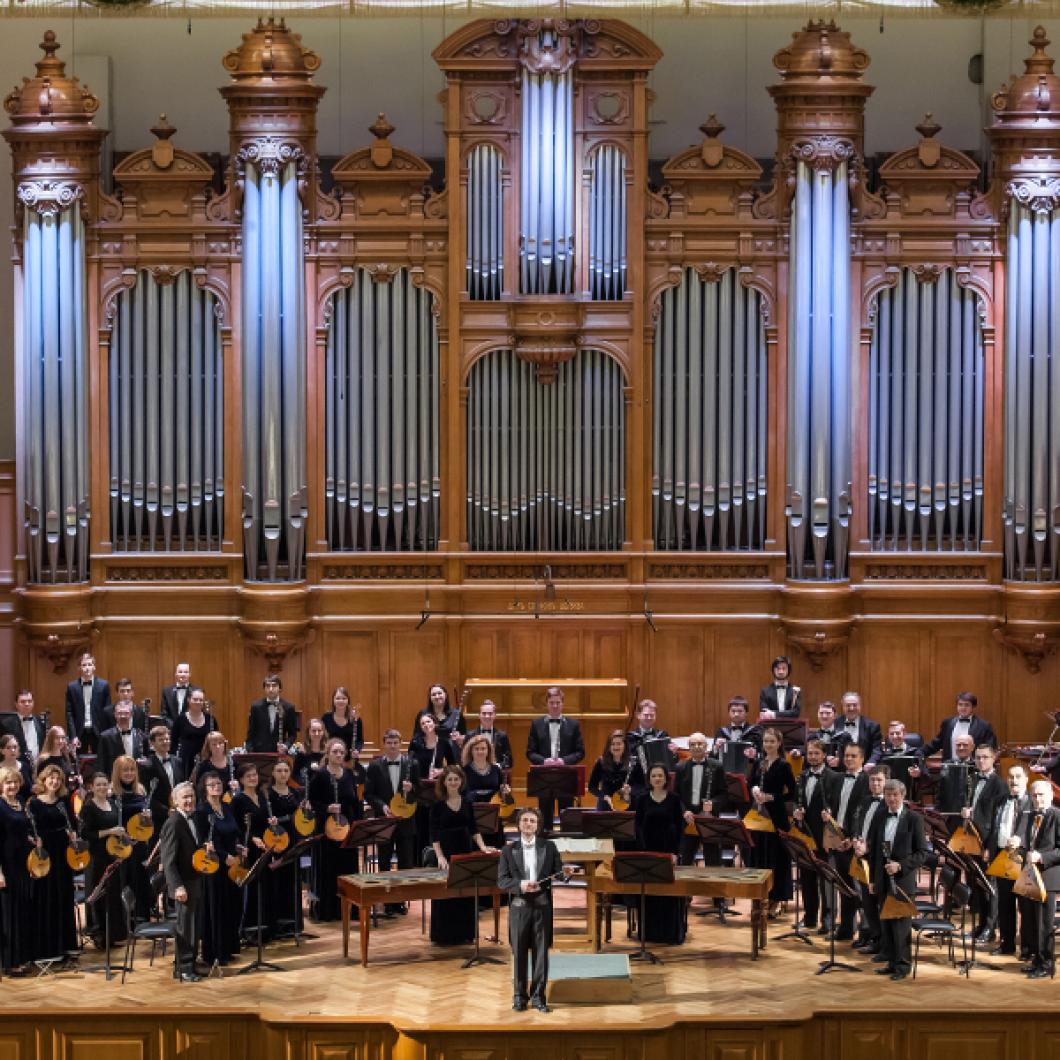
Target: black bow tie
{"points": [[851, 724], [555, 721], [86, 684], [782, 686], [850, 776], [892, 815], [816, 772]]}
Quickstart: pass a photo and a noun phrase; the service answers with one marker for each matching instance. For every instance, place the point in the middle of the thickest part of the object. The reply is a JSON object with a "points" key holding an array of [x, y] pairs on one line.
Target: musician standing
{"points": [[856, 728], [1005, 830], [638, 737], [273, 721], [1041, 840], [700, 785], [780, 698], [896, 850], [160, 773], [871, 808], [829, 733], [987, 791], [847, 795], [390, 774], [26, 727], [525, 872], [87, 706], [179, 841], [554, 741], [964, 723], [951, 794], [814, 794], [175, 696], [487, 726], [123, 740]]}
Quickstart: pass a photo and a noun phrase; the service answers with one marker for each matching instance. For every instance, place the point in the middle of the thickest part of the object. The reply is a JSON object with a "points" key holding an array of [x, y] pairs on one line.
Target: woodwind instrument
{"points": [[120, 846], [305, 818], [708, 780], [238, 872], [77, 853], [205, 859], [400, 804], [38, 860], [801, 829], [227, 797], [336, 828]]}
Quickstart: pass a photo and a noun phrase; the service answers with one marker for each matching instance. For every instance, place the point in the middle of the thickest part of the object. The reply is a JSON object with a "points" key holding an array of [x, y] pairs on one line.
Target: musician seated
{"points": [[740, 729], [951, 793], [829, 734], [502, 748], [1041, 840], [123, 739], [273, 722], [780, 699], [57, 751], [861, 730], [964, 723], [1004, 834]]}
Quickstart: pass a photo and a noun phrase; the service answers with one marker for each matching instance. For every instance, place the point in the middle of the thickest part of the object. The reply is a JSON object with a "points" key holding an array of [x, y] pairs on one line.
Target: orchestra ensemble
{"points": [[124, 814]]}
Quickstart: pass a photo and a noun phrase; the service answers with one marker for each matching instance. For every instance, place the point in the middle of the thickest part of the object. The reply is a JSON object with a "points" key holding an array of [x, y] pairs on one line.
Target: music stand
{"points": [[609, 824], [552, 783], [263, 761], [939, 828], [722, 832], [426, 795], [642, 868], [474, 870], [487, 817], [793, 731], [294, 854], [838, 883], [259, 964], [370, 831], [570, 820], [977, 881], [102, 890], [801, 858], [899, 765]]}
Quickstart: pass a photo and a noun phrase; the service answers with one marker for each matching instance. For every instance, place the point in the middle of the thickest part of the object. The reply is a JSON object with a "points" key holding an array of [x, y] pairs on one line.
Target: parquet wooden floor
{"points": [[416, 986]]}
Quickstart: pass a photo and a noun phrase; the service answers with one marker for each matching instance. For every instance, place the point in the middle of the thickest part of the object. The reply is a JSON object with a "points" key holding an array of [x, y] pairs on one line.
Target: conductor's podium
{"points": [[589, 978]]}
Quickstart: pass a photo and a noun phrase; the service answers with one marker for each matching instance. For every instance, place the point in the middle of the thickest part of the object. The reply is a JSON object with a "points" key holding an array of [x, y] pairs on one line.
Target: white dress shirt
{"points": [[530, 860]]}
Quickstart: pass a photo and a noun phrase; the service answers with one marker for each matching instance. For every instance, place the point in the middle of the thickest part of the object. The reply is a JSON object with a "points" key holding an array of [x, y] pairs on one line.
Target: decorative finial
{"points": [[163, 130], [50, 45], [712, 128], [381, 153], [381, 129], [928, 127]]}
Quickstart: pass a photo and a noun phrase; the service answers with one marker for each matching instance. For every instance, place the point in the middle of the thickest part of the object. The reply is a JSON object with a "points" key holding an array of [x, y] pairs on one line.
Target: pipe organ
{"points": [[543, 414]]}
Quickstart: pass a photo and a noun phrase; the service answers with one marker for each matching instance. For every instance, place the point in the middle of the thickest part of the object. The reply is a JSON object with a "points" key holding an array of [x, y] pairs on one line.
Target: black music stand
{"points": [[263, 761], [102, 891], [259, 964], [474, 870], [552, 783], [838, 884], [487, 817], [801, 858], [570, 820], [370, 831], [294, 854], [793, 730], [642, 868], [979, 882], [722, 832], [899, 765], [618, 825]]}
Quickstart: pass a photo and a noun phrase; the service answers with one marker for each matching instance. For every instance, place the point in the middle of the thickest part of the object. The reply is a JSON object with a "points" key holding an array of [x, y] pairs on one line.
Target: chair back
{"points": [[961, 894], [128, 901]]}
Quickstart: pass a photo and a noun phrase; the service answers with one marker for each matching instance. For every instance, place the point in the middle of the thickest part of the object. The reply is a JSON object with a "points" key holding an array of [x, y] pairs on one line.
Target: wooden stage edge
{"points": [[415, 1002]]}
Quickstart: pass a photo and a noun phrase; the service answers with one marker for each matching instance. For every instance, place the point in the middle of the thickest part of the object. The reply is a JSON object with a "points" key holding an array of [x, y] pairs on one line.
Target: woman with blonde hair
{"points": [[54, 927], [16, 885], [133, 800]]}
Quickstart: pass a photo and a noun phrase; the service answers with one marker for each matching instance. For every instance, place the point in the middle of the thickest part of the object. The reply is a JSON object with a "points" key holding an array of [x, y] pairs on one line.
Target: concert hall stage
{"points": [[708, 1000]]}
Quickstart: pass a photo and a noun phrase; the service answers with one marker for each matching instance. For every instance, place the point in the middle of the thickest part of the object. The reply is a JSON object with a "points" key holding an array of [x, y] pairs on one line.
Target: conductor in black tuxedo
{"points": [[780, 698], [525, 872], [26, 727], [554, 741], [160, 773], [88, 710], [175, 696], [179, 841], [1041, 840], [273, 721], [896, 850], [964, 723], [487, 726]]}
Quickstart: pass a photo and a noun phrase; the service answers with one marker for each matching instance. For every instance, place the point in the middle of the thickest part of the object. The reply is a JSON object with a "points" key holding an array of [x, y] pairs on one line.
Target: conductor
{"points": [[179, 841], [525, 872]]}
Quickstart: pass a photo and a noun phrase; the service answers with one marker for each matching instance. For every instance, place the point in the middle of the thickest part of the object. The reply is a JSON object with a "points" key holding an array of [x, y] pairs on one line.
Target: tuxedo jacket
{"points": [[100, 715], [261, 737], [112, 747], [767, 700], [169, 709], [12, 723], [1046, 842], [981, 731], [870, 738], [177, 847], [993, 794], [908, 848], [858, 793], [512, 869], [863, 811], [819, 801], [751, 734], [539, 742], [712, 789], [378, 791], [153, 772], [502, 746], [990, 838], [834, 739]]}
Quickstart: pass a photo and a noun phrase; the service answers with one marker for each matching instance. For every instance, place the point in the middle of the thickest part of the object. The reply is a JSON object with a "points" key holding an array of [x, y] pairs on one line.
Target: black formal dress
{"points": [[175, 702], [453, 919], [95, 820], [134, 873], [606, 777], [18, 896], [769, 852], [659, 828], [351, 734], [55, 930], [427, 758], [222, 899], [286, 895], [330, 859], [502, 746], [187, 740], [452, 721], [243, 807], [481, 787]]}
